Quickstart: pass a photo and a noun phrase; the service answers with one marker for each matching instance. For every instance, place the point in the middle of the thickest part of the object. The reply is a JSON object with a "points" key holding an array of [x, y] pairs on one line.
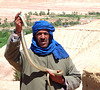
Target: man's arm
{"points": [[70, 81], [12, 53], [74, 77]]}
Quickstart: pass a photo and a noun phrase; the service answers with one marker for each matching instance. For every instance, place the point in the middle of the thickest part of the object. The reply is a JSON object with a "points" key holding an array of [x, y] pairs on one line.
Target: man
{"points": [[46, 52]]}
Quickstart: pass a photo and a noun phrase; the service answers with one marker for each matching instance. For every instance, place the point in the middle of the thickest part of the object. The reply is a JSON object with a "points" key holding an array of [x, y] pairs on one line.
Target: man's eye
{"points": [[39, 33], [46, 33]]}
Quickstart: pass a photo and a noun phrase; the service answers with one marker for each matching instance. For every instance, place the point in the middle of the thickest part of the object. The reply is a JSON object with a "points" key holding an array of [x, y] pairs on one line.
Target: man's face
{"points": [[42, 37]]}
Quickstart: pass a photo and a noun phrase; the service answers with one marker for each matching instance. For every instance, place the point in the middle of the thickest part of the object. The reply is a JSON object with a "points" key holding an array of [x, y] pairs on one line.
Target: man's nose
{"points": [[42, 36]]}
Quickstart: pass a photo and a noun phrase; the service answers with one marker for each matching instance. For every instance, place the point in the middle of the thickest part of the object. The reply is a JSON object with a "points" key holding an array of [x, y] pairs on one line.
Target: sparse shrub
{"points": [[91, 13], [12, 24], [0, 33], [52, 14], [42, 13], [6, 25], [30, 13], [35, 13], [16, 75], [63, 13], [48, 12], [4, 34], [58, 22]]}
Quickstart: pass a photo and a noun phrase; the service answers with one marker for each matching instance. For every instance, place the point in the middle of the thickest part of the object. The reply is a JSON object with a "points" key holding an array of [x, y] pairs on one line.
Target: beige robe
{"points": [[33, 79]]}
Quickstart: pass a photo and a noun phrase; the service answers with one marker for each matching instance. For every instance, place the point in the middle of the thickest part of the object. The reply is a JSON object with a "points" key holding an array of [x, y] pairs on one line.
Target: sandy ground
{"points": [[9, 85]]}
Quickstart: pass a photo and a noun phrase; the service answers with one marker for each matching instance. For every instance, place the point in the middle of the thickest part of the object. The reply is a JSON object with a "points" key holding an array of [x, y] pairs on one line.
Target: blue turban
{"points": [[54, 47], [38, 25]]}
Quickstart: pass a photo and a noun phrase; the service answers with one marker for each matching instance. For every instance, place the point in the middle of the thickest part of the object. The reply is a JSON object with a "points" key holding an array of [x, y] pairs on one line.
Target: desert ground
{"points": [[82, 42]]}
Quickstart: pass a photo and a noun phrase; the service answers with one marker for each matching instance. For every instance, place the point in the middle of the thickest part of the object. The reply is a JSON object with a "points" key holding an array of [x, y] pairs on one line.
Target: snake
{"points": [[31, 61]]}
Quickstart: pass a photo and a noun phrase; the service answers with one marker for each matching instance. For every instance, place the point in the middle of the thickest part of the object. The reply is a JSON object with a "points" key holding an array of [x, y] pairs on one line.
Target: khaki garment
{"points": [[33, 79]]}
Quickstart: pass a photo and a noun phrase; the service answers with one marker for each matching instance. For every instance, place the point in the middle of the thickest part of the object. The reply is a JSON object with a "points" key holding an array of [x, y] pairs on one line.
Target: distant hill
{"points": [[9, 8]]}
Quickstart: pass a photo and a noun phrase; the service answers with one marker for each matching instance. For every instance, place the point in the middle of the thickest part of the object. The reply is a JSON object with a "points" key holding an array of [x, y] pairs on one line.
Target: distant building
{"points": [[66, 25]]}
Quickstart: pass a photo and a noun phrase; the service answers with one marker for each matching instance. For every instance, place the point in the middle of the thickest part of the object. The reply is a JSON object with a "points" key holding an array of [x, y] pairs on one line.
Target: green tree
{"points": [[78, 19], [30, 13], [48, 13], [63, 13], [16, 75], [6, 24], [5, 20], [12, 24], [0, 20], [0, 33], [58, 22], [28, 18], [35, 13], [42, 13], [52, 14]]}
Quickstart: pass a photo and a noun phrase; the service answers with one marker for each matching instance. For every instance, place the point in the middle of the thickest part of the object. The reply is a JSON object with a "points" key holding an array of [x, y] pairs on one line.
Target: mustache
{"points": [[42, 40]]}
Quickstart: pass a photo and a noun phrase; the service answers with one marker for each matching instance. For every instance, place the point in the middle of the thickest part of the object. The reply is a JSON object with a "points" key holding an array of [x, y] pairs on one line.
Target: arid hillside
{"points": [[8, 8]]}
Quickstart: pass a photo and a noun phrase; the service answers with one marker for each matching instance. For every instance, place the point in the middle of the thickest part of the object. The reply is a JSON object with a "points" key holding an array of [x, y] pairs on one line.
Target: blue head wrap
{"points": [[54, 47], [38, 25]]}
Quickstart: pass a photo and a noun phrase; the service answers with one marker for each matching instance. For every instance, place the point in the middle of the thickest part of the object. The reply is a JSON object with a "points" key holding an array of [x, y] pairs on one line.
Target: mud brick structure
{"points": [[91, 79]]}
